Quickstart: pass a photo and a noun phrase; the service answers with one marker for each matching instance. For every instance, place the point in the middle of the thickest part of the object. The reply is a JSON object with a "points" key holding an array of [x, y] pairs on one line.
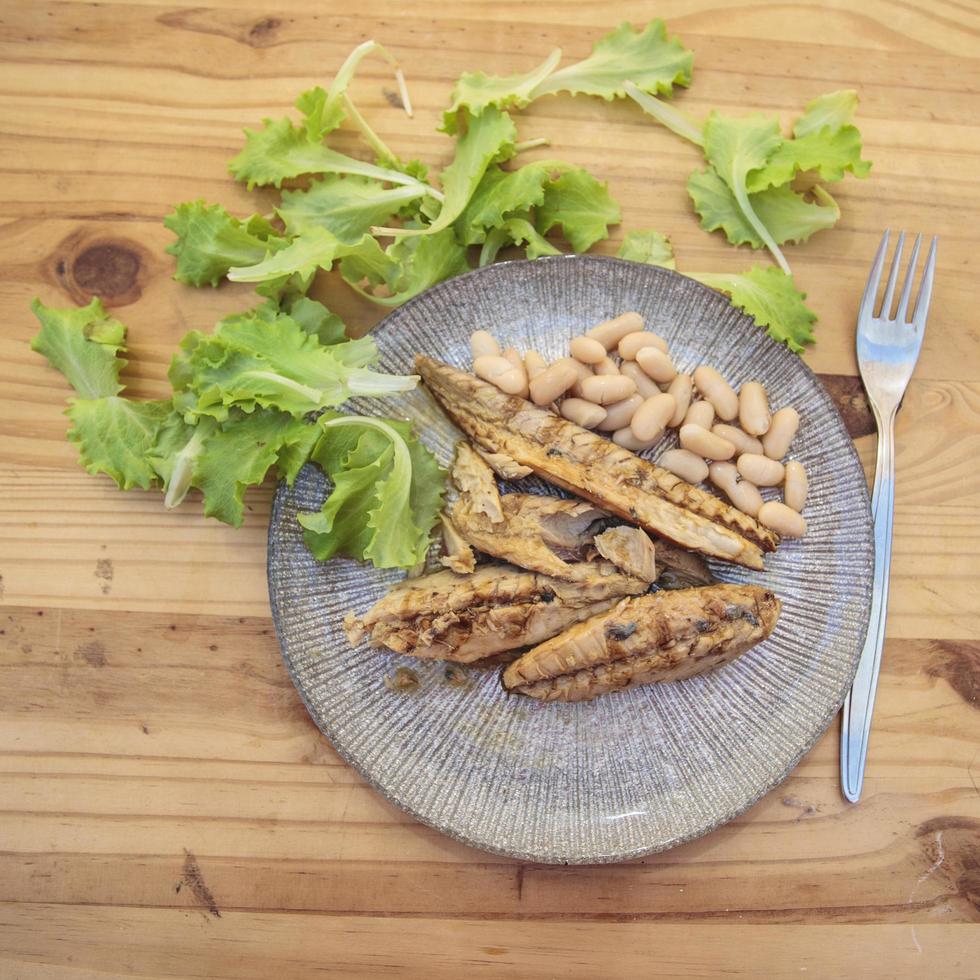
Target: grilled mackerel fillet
{"points": [[445, 616], [664, 636], [592, 467], [542, 534]]}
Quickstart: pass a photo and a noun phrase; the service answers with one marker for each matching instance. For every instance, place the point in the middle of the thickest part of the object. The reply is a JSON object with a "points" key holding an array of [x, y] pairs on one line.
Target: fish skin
{"points": [[592, 467], [464, 618], [648, 639]]}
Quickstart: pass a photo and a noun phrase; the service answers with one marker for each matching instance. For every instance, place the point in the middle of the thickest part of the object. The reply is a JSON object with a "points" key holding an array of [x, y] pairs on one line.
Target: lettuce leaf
{"points": [[249, 362], [224, 460], [770, 297], [347, 207], [387, 492], [734, 148], [210, 241], [282, 150], [647, 58], [317, 320], [517, 230], [405, 268], [581, 205], [786, 213], [650, 247], [828, 154], [115, 435], [475, 91], [83, 343], [501, 194], [489, 138]]}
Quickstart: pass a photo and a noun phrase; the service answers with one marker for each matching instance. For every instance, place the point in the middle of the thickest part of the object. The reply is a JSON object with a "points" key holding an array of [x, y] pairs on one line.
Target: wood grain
{"points": [[166, 806]]}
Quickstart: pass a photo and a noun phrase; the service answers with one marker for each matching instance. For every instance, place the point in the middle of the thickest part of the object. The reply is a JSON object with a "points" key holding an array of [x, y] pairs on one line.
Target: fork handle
{"points": [[859, 704]]}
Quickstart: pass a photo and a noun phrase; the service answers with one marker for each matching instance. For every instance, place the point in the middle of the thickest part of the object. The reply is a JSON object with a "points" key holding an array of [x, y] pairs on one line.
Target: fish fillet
{"points": [[445, 616], [542, 534], [664, 636], [597, 469]]}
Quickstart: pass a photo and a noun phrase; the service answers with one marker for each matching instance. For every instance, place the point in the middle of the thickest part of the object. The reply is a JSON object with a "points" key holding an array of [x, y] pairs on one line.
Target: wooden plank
{"points": [[242, 945]]}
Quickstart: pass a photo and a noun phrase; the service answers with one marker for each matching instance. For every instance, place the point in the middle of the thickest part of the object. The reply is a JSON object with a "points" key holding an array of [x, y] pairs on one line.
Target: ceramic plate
{"points": [[629, 773]]}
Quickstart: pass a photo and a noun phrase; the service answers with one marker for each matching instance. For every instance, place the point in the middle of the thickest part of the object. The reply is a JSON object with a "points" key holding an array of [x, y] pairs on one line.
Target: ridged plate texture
{"points": [[629, 773]]}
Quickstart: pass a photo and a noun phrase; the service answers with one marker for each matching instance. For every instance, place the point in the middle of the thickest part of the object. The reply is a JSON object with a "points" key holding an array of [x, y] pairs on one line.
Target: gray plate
{"points": [[630, 773]]}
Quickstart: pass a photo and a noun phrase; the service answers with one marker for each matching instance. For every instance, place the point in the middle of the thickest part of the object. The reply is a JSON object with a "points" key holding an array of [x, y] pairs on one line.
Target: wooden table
{"points": [[168, 809]]}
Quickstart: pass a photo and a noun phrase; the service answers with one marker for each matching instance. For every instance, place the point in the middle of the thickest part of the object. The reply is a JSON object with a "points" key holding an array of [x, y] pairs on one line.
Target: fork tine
{"points": [[925, 290], [903, 302], [866, 309], [886, 303]]}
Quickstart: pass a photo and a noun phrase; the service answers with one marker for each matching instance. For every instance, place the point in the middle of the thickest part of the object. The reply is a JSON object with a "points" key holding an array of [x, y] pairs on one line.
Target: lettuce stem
{"points": [[666, 115]]}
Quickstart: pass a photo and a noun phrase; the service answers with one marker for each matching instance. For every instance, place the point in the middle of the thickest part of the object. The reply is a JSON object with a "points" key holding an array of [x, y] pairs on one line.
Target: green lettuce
{"points": [[581, 205], [210, 241], [347, 207], [767, 294], [517, 230], [281, 150], [489, 138], [502, 194], [648, 58], [248, 362], [386, 496], [404, 269], [84, 345], [650, 247], [788, 215], [115, 436], [770, 297], [475, 91]]}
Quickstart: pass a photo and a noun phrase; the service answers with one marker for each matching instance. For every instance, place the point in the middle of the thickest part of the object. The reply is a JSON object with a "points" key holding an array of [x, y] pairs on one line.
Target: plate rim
{"points": [[616, 857]]}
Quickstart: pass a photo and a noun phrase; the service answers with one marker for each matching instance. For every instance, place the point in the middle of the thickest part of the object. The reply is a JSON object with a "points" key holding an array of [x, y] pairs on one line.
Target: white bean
{"points": [[483, 344], [685, 464], [582, 371], [552, 382], [782, 519], [534, 364], [761, 470], [701, 413], [517, 362], [634, 342], [604, 389], [624, 437], [718, 391], [795, 485], [706, 444], [644, 385], [583, 413], [588, 350], [782, 429], [619, 414], [656, 364], [610, 332], [753, 408], [651, 418], [742, 493], [606, 366], [741, 441], [499, 372], [681, 388]]}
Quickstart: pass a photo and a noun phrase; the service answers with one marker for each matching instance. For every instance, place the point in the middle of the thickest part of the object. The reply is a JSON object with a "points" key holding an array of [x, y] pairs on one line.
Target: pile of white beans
{"points": [[640, 395]]}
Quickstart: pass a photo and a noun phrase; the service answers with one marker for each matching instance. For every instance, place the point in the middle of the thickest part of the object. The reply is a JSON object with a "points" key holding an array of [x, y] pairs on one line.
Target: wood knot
{"points": [[106, 270], [262, 32], [849, 396], [113, 269]]}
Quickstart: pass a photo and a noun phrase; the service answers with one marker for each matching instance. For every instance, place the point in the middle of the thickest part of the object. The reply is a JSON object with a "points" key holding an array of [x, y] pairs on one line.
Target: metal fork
{"points": [[887, 349]]}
